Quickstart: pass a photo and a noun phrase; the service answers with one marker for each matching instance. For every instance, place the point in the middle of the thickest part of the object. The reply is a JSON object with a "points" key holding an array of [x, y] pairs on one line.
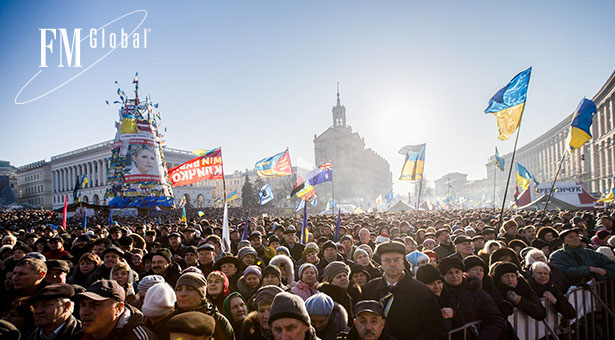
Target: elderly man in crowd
{"points": [[580, 264], [52, 311], [369, 322], [397, 290], [289, 320]]}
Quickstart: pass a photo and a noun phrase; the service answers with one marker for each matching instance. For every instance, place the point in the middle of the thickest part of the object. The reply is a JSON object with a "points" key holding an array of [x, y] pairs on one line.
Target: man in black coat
{"points": [[411, 309]]}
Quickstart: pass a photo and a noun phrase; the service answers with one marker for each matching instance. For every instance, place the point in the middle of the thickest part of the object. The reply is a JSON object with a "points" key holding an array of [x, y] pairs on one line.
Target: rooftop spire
{"points": [[338, 94]]}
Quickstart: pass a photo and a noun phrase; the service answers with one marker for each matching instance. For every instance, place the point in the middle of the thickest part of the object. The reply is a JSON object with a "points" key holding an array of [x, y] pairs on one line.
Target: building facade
{"points": [[46, 184], [359, 174], [591, 165]]}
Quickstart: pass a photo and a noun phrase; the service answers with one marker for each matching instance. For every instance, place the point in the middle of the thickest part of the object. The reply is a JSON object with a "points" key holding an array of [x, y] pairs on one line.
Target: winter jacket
{"points": [[99, 273], [471, 303], [444, 250], [338, 322], [345, 297], [251, 329], [70, 327], [575, 263], [304, 290], [128, 327], [529, 303], [414, 312], [295, 251], [244, 290], [223, 330], [77, 277], [172, 274], [562, 306]]}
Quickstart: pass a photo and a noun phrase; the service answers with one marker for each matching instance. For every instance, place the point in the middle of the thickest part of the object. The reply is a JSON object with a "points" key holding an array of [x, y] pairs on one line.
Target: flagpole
{"points": [[418, 200], [495, 173], [512, 162], [332, 196], [553, 184]]}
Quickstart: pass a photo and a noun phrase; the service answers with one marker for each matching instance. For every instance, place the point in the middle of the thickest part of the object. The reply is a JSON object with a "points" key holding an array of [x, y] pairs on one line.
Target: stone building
{"points": [[359, 174], [34, 184]]}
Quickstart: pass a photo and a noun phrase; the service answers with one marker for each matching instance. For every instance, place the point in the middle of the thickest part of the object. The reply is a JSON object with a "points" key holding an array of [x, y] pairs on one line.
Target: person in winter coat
{"points": [[104, 316], [580, 264], [57, 322], [475, 267], [398, 291], [256, 325], [327, 317], [362, 258], [217, 288], [190, 293], [542, 284], [250, 282], [369, 323], [337, 285], [285, 264], [158, 308], [517, 290], [230, 266], [289, 320], [235, 310], [469, 301], [85, 266], [557, 276], [308, 281]]}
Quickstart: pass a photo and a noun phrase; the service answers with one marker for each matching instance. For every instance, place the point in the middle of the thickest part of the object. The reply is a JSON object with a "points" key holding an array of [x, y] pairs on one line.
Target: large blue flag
{"points": [[336, 236], [508, 103], [84, 224], [244, 236], [265, 194], [581, 123]]}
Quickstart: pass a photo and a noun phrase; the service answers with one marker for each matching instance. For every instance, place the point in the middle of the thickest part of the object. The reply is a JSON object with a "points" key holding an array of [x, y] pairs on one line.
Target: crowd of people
{"points": [[401, 275]]}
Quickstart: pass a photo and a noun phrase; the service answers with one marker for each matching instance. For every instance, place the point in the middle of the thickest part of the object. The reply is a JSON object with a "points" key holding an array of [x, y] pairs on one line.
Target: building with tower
{"points": [[359, 173]]}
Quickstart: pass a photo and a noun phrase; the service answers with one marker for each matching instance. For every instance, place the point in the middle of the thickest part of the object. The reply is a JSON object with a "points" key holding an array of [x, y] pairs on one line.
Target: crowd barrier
{"points": [[595, 306]]}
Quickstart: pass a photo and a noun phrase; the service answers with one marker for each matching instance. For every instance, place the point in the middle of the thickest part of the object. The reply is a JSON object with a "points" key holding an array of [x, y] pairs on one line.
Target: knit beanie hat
{"points": [[335, 268], [606, 251], [415, 257], [501, 268], [256, 270], [246, 251], [428, 241], [193, 280], [242, 244], [288, 305], [273, 270], [266, 293], [283, 249], [306, 265], [329, 244], [368, 249], [473, 261], [450, 262], [358, 252], [319, 304], [149, 281], [428, 273], [159, 300]]}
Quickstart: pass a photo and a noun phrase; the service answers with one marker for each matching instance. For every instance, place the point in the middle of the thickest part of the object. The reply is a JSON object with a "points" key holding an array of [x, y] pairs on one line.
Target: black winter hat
{"points": [[450, 262], [473, 261], [288, 305], [428, 273]]}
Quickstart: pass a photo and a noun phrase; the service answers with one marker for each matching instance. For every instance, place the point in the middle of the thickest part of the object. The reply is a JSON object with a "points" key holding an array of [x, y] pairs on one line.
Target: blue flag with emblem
{"points": [[265, 194]]}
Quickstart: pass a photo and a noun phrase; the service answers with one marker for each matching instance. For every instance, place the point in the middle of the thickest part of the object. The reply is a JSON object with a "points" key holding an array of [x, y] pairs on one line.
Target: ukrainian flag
{"points": [[581, 123], [508, 103], [523, 177], [414, 163], [218, 200], [278, 165], [233, 195], [499, 161]]}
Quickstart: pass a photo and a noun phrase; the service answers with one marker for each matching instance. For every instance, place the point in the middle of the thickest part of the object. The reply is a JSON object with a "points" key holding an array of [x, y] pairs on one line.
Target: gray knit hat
{"points": [[266, 293], [148, 281], [193, 280], [333, 269], [246, 251], [288, 305]]}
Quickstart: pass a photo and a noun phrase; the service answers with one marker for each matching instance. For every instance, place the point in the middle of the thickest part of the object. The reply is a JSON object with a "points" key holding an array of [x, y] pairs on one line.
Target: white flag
{"points": [[226, 234]]}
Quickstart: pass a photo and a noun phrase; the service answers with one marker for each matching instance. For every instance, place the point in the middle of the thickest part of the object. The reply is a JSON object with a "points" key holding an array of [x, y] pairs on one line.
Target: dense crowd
{"points": [[379, 276]]}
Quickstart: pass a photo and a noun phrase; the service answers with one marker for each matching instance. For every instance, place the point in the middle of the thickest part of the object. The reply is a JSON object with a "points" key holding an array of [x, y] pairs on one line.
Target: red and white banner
{"points": [[208, 166]]}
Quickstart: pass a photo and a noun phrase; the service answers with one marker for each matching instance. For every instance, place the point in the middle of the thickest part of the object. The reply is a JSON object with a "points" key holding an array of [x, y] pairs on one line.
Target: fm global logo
{"points": [[75, 53]]}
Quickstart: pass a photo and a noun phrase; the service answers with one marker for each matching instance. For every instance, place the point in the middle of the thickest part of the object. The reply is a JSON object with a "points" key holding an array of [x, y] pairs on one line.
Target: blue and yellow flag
{"points": [[581, 124], [218, 200], [414, 163], [232, 196], [278, 165], [508, 103], [524, 177], [184, 214], [499, 161], [200, 213]]}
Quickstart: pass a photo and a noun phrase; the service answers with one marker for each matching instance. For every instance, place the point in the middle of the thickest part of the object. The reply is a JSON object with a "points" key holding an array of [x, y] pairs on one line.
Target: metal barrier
{"points": [[595, 320]]}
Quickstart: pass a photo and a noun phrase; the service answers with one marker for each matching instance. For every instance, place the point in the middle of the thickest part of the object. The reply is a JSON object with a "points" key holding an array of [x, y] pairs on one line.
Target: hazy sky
{"points": [[257, 77]]}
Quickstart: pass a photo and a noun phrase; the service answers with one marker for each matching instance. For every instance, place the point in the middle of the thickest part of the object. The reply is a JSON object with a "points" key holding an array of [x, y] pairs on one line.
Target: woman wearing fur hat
{"points": [[517, 290], [190, 291], [336, 284], [286, 267], [308, 281]]}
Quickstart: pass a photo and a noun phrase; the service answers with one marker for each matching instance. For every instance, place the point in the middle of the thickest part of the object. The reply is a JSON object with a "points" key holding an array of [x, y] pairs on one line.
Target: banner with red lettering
{"points": [[207, 166]]}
